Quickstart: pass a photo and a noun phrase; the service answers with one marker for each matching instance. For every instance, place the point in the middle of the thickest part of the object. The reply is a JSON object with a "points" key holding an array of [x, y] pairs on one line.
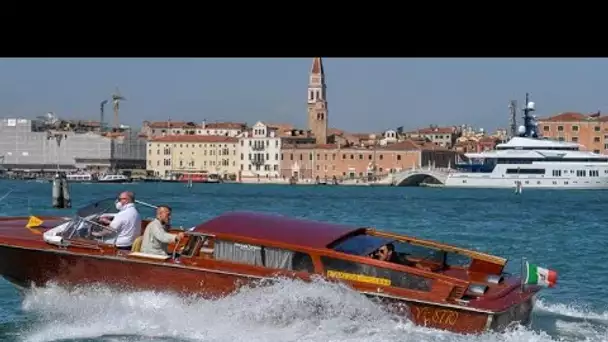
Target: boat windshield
{"points": [[87, 218]]}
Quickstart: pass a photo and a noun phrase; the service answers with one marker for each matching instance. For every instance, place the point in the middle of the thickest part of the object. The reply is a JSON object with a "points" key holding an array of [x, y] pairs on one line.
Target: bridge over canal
{"points": [[419, 176]]}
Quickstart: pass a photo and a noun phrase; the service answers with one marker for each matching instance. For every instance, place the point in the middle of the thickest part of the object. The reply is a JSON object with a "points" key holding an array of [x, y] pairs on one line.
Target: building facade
{"points": [[259, 150], [179, 154], [154, 129], [31, 145], [442, 136], [328, 161], [591, 131]]}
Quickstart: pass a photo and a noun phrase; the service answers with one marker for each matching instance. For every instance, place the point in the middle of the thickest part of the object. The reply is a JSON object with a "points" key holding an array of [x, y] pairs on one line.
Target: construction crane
{"points": [[116, 98], [101, 123]]}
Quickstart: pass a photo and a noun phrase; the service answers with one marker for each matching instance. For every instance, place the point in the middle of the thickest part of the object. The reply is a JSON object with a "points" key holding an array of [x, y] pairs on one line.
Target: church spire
{"points": [[317, 67], [317, 101]]}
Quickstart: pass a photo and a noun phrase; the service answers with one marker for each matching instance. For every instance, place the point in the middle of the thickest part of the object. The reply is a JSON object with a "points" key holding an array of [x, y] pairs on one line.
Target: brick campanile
{"points": [[317, 101]]}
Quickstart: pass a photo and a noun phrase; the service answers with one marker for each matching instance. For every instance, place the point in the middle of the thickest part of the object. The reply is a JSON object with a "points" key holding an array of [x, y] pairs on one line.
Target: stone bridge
{"points": [[416, 177]]}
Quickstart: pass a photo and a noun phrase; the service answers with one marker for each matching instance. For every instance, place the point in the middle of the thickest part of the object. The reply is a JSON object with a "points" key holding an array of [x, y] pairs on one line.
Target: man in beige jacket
{"points": [[156, 238]]}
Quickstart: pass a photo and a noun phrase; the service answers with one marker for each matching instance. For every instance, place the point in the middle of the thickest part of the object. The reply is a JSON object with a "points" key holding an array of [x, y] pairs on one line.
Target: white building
{"points": [[260, 150]]}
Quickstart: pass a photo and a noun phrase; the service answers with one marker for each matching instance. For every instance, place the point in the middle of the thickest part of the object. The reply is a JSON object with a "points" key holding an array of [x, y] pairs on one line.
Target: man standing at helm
{"points": [[127, 222]]}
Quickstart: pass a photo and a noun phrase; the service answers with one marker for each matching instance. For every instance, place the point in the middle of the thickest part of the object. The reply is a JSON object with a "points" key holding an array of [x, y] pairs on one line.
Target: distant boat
{"points": [[114, 179]]}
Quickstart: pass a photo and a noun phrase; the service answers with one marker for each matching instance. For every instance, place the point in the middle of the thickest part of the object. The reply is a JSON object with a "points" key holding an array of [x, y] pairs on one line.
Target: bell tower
{"points": [[317, 101]]}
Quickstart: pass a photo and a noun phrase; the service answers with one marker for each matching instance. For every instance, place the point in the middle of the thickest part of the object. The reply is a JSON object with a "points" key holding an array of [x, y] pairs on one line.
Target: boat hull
{"points": [[27, 267], [115, 181], [489, 181]]}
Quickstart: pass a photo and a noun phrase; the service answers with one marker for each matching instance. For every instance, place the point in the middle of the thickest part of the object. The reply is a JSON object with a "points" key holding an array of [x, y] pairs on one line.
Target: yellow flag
{"points": [[33, 222]]}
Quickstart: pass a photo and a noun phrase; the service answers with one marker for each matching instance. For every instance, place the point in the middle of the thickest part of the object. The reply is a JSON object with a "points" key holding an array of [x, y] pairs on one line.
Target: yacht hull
{"points": [[477, 181]]}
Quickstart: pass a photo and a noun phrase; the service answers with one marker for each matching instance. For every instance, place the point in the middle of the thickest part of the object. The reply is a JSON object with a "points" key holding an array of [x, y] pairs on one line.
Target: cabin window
{"points": [[238, 252], [269, 257], [287, 260], [526, 171], [348, 270]]}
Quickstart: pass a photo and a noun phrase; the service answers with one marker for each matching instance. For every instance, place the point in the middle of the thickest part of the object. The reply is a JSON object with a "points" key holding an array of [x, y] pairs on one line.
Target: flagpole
{"points": [[523, 267]]}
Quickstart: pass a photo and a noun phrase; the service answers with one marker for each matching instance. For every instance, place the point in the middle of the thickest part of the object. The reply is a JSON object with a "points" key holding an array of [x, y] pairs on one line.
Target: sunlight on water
{"points": [[288, 310]]}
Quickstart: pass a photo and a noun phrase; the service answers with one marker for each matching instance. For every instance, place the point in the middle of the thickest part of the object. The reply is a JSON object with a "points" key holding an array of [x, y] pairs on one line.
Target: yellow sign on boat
{"points": [[33, 222], [358, 277]]}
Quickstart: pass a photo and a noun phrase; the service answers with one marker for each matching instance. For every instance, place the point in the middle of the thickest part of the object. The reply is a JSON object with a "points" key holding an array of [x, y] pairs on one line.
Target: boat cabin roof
{"points": [[276, 228]]}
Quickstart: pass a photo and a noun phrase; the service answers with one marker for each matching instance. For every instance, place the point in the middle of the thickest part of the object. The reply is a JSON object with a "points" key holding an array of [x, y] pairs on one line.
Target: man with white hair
{"points": [[126, 223]]}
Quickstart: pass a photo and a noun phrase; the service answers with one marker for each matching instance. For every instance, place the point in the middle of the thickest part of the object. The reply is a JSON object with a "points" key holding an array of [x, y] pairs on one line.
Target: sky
{"points": [[364, 94]]}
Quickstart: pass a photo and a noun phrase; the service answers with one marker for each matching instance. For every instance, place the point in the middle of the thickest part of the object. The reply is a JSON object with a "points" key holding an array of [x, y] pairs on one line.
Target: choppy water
{"points": [[563, 230]]}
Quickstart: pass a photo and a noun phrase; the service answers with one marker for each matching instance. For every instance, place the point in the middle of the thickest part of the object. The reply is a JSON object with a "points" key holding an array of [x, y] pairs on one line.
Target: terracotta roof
{"points": [[195, 138], [406, 145], [170, 124], [317, 66], [226, 125], [281, 126], [335, 131], [573, 117], [275, 228], [190, 124], [432, 130]]}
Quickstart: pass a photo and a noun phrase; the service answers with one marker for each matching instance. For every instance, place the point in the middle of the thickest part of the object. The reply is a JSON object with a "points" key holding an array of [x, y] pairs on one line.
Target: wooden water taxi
{"points": [[433, 284]]}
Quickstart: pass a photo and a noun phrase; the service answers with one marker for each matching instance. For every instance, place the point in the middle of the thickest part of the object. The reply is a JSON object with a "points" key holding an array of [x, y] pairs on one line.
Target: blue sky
{"points": [[364, 94]]}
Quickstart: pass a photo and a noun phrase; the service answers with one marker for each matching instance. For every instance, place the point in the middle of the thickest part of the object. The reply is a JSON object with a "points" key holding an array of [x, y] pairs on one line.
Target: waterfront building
{"points": [[179, 154], [259, 150], [154, 129], [442, 136], [35, 145], [328, 161], [324, 153], [588, 130]]}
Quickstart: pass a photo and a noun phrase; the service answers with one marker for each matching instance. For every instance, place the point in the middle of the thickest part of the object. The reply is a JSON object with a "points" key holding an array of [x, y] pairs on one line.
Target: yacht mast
{"points": [[529, 128]]}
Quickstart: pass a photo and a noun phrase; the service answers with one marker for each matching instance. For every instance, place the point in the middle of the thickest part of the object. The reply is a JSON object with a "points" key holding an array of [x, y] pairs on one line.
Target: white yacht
{"points": [[533, 161], [114, 179]]}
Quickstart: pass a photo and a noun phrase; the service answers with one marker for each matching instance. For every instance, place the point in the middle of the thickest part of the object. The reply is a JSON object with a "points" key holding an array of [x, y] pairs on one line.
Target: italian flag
{"points": [[539, 276]]}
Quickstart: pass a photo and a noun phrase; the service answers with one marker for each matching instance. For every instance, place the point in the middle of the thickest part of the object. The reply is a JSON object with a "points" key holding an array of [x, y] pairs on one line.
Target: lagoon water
{"points": [[563, 230]]}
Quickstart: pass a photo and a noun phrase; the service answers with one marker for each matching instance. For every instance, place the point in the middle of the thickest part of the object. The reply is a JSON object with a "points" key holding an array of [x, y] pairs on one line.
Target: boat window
{"points": [[407, 250], [238, 252], [526, 171], [422, 253], [288, 260], [270, 257], [194, 243], [360, 244], [353, 271]]}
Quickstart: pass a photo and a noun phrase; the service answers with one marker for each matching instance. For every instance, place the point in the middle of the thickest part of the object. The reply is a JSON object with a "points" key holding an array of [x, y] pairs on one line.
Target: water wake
{"points": [[288, 310]]}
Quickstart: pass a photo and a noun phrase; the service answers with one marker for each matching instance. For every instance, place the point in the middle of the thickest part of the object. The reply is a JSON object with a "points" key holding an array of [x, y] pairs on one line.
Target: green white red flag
{"points": [[535, 275]]}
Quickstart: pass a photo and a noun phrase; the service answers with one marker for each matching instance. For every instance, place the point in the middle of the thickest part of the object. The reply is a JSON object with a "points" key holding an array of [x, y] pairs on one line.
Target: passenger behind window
{"points": [[387, 253]]}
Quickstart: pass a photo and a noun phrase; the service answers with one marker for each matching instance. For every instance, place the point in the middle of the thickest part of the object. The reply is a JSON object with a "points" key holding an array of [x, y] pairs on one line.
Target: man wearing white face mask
{"points": [[127, 222]]}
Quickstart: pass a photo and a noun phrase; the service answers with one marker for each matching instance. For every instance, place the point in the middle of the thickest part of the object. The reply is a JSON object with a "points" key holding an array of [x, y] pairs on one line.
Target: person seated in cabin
{"points": [[387, 253], [156, 238], [126, 223]]}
